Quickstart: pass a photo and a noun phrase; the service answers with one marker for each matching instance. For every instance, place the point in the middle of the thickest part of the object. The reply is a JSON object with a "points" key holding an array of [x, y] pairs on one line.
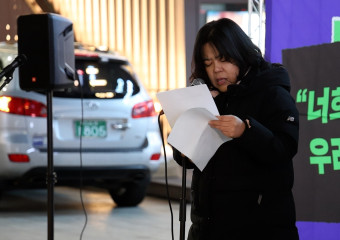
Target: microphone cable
{"points": [[81, 155], [166, 174]]}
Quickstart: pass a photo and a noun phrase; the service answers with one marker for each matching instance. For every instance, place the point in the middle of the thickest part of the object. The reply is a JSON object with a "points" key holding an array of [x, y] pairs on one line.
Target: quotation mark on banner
{"points": [[301, 95]]}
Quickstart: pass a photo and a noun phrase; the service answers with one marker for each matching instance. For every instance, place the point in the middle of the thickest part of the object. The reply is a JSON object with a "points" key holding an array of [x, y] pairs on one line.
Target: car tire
{"points": [[130, 194]]}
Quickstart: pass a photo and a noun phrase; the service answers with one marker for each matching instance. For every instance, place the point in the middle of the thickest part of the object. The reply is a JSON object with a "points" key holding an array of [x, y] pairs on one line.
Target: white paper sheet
{"points": [[188, 111], [175, 102]]}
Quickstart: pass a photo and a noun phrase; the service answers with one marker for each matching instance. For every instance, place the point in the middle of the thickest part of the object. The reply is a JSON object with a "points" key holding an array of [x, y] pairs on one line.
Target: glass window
{"points": [[102, 79]]}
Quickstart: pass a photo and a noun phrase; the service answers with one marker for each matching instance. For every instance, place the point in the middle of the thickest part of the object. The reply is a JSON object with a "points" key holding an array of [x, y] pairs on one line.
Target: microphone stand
{"points": [[182, 209], [8, 71], [8, 74]]}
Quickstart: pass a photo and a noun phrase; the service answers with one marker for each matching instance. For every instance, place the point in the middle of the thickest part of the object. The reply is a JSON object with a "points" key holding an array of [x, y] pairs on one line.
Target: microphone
{"points": [[197, 81], [17, 62]]}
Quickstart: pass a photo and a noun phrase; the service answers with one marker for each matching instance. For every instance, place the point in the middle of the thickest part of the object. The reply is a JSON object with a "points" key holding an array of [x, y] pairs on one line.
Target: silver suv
{"points": [[105, 131]]}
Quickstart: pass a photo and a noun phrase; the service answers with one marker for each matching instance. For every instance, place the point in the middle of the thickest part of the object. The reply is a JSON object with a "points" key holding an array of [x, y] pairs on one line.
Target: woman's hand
{"points": [[230, 125]]}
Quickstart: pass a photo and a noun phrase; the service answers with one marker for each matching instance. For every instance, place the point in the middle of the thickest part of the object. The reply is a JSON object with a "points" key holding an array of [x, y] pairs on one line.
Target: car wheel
{"points": [[2, 190], [129, 194]]}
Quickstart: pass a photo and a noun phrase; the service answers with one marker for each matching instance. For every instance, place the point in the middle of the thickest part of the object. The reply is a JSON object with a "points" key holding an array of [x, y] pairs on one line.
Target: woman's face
{"points": [[220, 72]]}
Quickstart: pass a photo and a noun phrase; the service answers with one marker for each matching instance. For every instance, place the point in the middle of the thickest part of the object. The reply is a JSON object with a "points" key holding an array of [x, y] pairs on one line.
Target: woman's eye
{"points": [[222, 59], [207, 63]]}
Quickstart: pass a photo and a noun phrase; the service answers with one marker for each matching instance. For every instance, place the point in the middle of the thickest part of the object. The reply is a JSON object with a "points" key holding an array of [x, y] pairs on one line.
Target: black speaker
{"points": [[47, 40]]}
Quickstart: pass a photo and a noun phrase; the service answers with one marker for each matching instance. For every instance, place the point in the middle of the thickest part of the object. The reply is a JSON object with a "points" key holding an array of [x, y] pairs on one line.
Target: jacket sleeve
{"points": [[274, 139]]}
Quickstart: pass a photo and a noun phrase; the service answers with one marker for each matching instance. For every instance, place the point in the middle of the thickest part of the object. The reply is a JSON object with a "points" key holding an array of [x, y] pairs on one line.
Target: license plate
{"points": [[90, 128]]}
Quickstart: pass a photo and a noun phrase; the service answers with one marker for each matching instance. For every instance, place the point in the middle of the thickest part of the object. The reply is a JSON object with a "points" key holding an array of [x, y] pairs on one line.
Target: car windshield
{"points": [[102, 79]]}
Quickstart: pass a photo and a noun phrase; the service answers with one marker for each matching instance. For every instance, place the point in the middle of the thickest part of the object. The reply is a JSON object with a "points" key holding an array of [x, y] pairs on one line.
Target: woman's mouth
{"points": [[221, 81]]}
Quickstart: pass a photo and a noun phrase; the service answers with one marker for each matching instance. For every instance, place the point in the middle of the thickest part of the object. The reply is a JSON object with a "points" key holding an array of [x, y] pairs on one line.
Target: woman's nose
{"points": [[217, 66]]}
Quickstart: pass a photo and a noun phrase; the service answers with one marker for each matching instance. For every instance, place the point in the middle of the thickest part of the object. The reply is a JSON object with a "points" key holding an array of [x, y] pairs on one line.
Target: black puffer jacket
{"points": [[245, 190]]}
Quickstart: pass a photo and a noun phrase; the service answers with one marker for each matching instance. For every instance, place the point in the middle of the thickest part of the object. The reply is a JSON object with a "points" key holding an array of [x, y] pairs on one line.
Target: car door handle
{"points": [[120, 126]]}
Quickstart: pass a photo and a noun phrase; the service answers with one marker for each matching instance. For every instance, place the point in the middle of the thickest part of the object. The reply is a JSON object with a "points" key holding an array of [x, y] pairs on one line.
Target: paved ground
{"points": [[23, 215]]}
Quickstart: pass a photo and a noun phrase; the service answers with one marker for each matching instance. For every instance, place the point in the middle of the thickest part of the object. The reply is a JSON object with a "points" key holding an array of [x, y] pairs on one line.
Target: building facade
{"points": [[156, 35]]}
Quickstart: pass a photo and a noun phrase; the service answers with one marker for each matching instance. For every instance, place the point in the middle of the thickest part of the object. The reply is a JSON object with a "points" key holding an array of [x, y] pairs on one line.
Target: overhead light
{"points": [[98, 83]]}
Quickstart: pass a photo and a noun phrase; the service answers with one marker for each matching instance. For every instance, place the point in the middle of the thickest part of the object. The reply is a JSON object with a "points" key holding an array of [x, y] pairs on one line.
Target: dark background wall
{"points": [[10, 10]]}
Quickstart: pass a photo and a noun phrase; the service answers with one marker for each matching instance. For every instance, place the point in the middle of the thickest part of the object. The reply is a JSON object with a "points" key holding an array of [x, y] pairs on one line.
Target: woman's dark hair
{"points": [[232, 43]]}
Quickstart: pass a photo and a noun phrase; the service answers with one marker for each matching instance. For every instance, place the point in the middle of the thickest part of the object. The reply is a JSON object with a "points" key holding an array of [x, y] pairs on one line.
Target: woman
{"points": [[245, 190]]}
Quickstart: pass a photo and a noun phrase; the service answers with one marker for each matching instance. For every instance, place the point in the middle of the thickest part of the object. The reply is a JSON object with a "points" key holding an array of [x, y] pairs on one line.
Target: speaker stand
{"points": [[51, 175]]}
